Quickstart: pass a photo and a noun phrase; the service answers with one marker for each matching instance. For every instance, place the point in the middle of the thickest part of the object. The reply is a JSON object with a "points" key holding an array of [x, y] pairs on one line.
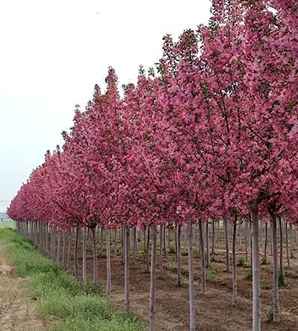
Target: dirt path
{"points": [[17, 312]]}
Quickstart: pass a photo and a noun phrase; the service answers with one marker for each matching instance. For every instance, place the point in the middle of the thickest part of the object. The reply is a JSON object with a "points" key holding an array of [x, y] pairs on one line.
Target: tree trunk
{"points": [[63, 249], [192, 317], [227, 245], [234, 262], [109, 276], [148, 249], [287, 245], [239, 235], [58, 248], [178, 254], [213, 240], [207, 243], [164, 237], [266, 243], [275, 291], [76, 264], [250, 243], [69, 248], [281, 264], [46, 238], [152, 281], [203, 264], [102, 241], [144, 244], [94, 273], [122, 245], [291, 241], [169, 237], [84, 269], [50, 242], [126, 269], [256, 289], [247, 236], [135, 247]]}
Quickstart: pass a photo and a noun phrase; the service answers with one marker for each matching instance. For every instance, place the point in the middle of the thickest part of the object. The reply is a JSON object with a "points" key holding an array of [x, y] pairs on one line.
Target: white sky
{"points": [[52, 52]]}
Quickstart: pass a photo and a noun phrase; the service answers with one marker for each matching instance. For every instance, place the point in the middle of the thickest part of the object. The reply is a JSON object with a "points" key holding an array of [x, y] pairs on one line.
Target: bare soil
{"points": [[215, 311], [17, 311]]}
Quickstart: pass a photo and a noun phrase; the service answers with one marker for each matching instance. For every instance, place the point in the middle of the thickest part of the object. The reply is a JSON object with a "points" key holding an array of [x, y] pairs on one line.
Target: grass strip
{"points": [[60, 298]]}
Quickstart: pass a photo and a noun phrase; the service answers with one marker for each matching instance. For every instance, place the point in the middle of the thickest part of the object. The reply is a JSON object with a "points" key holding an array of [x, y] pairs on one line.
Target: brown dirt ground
{"points": [[215, 311], [17, 313]]}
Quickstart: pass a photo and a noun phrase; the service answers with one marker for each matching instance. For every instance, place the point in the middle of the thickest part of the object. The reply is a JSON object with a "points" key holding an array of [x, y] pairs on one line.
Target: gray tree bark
{"points": [[192, 317], [126, 268], [152, 302], [256, 289]]}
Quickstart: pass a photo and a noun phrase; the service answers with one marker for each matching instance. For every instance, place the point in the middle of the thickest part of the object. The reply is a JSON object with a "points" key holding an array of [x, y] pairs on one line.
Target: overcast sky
{"points": [[52, 52]]}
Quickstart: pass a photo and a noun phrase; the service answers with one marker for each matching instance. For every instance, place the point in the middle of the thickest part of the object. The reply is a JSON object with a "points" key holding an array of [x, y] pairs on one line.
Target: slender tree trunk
{"points": [[287, 245], [247, 236], [164, 237], [234, 262], [281, 264], [109, 276], [49, 240], [152, 303], [94, 271], [275, 291], [178, 254], [135, 247], [37, 233], [148, 249], [63, 249], [192, 317], [76, 264], [169, 237], [46, 238], [227, 245], [256, 273], [250, 243], [84, 269], [291, 241], [266, 243], [41, 235], [69, 248], [213, 240], [207, 243], [102, 241], [54, 245], [203, 264], [122, 245], [114, 246], [50, 243], [160, 241], [145, 245], [126, 268], [58, 260], [239, 235]]}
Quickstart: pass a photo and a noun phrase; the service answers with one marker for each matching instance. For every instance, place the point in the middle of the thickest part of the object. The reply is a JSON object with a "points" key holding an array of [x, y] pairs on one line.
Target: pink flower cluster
{"points": [[209, 132]]}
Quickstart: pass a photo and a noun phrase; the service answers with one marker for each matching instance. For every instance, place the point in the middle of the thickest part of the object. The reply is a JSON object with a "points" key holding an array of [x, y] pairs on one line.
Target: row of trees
{"points": [[210, 132], [84, 252]]}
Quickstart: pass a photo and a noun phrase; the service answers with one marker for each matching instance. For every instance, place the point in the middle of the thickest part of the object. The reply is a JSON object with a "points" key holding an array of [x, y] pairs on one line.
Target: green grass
{"points": [[59, 296], [211, 274], [7, 224]]}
